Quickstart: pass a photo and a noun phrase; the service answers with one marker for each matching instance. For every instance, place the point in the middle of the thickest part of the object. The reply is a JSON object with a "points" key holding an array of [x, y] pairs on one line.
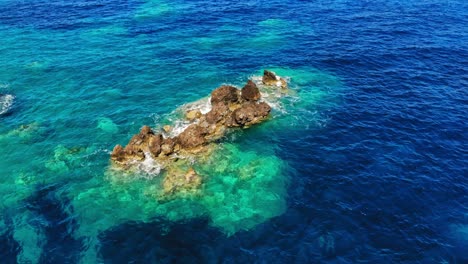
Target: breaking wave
{"points": [[6, 101]]}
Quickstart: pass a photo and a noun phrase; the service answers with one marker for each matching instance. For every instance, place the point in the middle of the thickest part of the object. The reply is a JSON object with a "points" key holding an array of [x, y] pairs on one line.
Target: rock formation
{"points": [[250, 92], [230, 108], [271, 79]]}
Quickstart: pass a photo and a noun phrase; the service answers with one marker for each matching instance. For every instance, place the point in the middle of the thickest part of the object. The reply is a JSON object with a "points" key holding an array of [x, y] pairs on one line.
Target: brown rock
{"points": [[167, 146], [263, 109], [118, 153], [154, 144], [249, 114], [271, 79], [217, 113], [193, 114], [167, 128], [225, 94], [136, 140], [146, 130], [134, 152], [204, 124], [250, 92], [192, 136], [230, 107], [142, 137]]}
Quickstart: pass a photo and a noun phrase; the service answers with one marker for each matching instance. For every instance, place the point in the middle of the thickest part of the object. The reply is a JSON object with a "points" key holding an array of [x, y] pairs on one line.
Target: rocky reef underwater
{"points": [[173, 151]]}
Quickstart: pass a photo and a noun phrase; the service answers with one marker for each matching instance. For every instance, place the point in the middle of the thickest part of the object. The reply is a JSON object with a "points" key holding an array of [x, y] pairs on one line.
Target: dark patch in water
{"points": [[179, 242], [57, 223], [291, 239], [9, 247]]}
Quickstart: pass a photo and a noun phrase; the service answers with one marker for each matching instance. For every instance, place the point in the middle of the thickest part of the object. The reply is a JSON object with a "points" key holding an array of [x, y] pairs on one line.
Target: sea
{"points": [[364, 160]]}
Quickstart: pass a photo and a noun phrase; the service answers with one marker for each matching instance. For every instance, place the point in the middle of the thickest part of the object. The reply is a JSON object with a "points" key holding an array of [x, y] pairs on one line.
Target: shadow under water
{"points": [[9, 247], [55, 220]]}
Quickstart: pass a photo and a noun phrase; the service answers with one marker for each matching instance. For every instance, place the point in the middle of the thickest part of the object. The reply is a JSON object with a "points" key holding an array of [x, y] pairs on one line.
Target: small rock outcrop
{"points": [[225, 94], [250, 92], [230, 108], [271, 79]]}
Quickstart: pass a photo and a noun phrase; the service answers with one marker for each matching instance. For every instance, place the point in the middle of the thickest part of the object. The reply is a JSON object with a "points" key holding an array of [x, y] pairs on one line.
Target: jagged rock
{"points": [[167, 146], [118, 153], [263, 109], [146, 130], [249, 114], [193, 114], [193, 136], [133, 152], [268, 77], [217, 113], [271, 79], [154, 144], [250, 92], [142, 137], [136, 140], [226, 94]]}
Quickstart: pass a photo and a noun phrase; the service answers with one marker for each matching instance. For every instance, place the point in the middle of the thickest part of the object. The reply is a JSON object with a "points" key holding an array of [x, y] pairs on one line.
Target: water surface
{"points": [[365, 162]]}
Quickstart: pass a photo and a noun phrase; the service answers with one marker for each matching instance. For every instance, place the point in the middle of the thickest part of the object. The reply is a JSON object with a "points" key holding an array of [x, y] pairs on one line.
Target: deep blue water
{"points": [[377, 159]]}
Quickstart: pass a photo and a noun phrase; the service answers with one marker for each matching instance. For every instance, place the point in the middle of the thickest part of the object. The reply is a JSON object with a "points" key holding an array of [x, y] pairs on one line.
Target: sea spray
{"points": [[6, 101]]}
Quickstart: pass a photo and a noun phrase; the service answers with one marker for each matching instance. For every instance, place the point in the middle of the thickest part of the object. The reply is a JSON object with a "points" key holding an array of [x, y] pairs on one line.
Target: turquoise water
{"points": [[371, 91], [79, 92]]}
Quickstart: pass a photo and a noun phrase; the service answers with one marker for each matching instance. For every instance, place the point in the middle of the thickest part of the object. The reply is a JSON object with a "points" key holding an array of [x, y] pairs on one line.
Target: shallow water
{"points": [[363, 161]]}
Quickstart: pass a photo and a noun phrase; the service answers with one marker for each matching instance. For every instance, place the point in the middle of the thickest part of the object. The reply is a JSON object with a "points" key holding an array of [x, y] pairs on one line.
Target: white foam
{"points": [[179, 124], [204, 105], [149, 166], [6, 101], [256, 79], [178, 127], [271, 95]]}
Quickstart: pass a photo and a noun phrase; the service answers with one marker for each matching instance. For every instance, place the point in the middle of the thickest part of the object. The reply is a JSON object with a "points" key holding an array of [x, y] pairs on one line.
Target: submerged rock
{"points": [[106, 125], [177, 180], [230, 108]]}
